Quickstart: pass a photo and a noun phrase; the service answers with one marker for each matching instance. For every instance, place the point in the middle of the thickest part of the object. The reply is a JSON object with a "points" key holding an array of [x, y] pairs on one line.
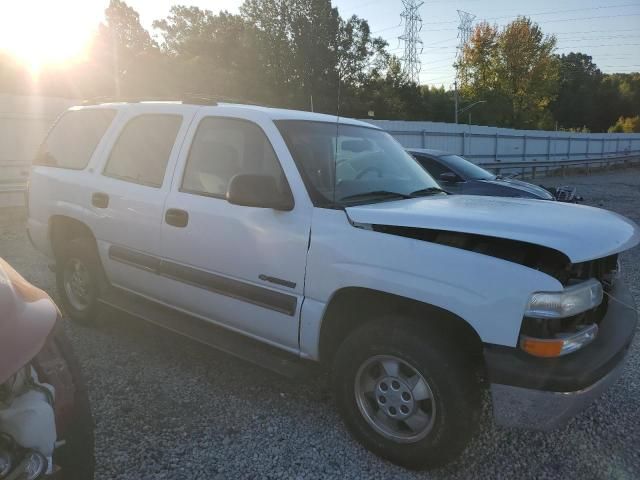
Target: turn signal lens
{"points": [[541, 348], [561, 345]]}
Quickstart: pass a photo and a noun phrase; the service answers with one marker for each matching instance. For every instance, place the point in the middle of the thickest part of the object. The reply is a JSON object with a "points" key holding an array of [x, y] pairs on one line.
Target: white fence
{"points": [[491, 144]]}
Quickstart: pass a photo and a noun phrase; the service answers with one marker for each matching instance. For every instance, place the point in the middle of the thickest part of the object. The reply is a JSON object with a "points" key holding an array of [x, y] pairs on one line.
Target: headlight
{"points": [[571, 301]]}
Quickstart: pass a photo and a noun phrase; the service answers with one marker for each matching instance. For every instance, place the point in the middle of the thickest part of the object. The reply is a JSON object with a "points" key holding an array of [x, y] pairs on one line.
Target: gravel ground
{"points": [[166, 407]]}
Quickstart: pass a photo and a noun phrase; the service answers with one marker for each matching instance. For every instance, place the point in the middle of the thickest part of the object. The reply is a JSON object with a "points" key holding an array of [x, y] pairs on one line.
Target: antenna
{"points": [[465, 28], [412, 26]]}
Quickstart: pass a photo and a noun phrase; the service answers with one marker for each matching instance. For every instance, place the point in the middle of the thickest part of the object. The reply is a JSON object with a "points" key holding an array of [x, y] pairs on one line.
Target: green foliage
{"points": [[626, 125], [514, 70]]}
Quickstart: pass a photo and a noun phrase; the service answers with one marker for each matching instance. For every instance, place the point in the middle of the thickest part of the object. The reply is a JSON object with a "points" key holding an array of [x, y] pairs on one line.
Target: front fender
{"points": [[488, 293]]}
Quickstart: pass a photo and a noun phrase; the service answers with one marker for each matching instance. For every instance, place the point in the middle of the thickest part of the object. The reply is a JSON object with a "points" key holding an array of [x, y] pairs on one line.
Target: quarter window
{"points": [[142, 152], [223, 148], [74, 138]]}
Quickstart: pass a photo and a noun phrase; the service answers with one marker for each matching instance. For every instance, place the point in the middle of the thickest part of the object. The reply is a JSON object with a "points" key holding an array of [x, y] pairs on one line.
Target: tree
{"points": [[212, 54], [626, 125], [580, 81], [125, 52], [309, 52], [514, 69]]}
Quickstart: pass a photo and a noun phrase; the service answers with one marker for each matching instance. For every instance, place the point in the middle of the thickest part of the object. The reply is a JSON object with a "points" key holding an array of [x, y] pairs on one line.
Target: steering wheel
{"points": [[367, 170]]}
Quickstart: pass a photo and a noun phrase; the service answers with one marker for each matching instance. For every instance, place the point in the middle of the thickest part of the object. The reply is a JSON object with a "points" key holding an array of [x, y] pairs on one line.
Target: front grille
{"points": [[603, 269]]}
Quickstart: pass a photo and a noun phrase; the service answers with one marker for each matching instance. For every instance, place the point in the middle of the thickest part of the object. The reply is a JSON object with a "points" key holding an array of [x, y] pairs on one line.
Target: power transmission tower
{"points": [[412, 26], [465, 28]]}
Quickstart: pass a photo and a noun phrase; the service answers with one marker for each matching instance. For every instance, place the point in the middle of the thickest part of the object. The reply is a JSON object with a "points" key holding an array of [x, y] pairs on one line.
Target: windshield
{"points": [[466, 169], [346, 164]]}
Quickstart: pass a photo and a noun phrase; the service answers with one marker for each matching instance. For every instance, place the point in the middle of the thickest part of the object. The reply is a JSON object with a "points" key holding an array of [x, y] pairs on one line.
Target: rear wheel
{"points": [[406, 393], [78, 279]]}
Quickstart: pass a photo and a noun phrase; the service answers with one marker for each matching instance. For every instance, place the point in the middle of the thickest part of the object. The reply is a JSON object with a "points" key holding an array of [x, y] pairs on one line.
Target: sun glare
{"points": [[40, 33]]}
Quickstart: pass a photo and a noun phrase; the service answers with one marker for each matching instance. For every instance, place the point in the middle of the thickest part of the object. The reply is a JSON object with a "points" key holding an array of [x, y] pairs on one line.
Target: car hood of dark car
{"points": [[524, 187]]}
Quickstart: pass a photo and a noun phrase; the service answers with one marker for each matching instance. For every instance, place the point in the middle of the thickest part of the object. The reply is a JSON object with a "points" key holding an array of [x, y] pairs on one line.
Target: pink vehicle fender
{"points": [[27, 317]]}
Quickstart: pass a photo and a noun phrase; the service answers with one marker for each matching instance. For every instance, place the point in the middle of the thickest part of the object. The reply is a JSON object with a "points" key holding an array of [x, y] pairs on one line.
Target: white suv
{"points": [[288, 238]]}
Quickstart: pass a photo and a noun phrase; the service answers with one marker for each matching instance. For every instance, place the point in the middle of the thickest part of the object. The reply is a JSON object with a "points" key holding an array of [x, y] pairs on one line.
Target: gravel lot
{"points": [[166, 407]]}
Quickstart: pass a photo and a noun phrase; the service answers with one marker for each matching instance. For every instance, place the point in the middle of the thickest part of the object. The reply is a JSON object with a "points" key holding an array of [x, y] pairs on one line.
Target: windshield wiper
{"points": [[426, 191], [376, 193]]}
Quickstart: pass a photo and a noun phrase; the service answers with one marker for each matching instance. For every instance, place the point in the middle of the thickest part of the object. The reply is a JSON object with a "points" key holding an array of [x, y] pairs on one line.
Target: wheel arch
{"points": [[351, 307], [63, 229]]}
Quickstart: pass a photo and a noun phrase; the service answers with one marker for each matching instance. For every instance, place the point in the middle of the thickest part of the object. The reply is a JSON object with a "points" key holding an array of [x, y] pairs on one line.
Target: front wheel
{"points": [[406, 393]]}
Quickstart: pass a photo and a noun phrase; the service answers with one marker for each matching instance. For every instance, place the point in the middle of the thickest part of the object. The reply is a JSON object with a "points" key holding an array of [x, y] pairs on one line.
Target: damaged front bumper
{"points": [[543, 393]]}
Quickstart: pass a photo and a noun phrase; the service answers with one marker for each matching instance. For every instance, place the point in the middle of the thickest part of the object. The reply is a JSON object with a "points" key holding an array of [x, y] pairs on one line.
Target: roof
{"points": [[272, 113], [428, 151]]}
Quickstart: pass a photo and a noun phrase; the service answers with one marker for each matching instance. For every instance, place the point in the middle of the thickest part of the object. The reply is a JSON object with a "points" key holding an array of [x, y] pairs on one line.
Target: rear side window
{"points": [[223, 148], [74, 138], [142, 151]]}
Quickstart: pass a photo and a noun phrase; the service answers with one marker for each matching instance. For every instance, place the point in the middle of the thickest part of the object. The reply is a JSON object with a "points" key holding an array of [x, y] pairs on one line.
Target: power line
{"points": [[552, 12]]}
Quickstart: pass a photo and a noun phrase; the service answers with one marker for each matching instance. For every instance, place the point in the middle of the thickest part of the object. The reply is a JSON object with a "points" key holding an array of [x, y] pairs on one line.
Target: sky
{"points": [[608, 30]]}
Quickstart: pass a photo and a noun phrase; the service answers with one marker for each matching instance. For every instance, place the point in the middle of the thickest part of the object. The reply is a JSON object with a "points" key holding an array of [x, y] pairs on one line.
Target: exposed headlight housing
{"points": [[571, 301]]}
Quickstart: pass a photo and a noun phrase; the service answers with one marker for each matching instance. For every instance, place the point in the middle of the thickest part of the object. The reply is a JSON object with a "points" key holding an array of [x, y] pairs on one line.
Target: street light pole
{"points": [[455, 97], [468, 107]]}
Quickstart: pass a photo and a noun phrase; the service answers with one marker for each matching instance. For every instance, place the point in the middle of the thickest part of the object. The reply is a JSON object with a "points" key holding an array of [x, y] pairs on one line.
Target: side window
{"points": [[223, 148], [142, 151], [432, 166], [74, 138]]}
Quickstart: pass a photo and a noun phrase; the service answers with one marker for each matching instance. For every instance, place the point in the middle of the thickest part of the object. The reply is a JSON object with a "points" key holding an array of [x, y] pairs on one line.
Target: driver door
{"points": [[239, 266]]}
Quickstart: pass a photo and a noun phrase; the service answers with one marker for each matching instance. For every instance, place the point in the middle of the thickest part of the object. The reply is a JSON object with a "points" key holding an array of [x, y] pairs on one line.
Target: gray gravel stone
{"points": [[166, 407]]}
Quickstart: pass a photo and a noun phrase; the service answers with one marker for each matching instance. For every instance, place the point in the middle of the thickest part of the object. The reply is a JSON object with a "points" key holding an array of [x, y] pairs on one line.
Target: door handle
{"points": [[176, 217], [100, 200]]}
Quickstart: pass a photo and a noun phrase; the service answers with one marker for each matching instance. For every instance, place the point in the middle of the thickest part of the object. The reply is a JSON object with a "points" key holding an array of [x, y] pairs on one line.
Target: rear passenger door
{"points": [[127, 199], [240, 266]]}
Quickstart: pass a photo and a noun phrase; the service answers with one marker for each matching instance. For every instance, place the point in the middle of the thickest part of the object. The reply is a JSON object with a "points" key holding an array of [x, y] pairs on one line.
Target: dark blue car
{"points": [[457, 175]]}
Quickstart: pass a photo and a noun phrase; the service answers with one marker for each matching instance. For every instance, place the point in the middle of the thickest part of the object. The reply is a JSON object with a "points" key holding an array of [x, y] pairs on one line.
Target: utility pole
{"points": [[465, 28], [411, 63]]}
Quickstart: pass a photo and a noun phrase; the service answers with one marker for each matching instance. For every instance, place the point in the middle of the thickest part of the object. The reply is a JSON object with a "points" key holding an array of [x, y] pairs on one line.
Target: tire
{"points": [[76, 458], [444, 416], [79, 255]]}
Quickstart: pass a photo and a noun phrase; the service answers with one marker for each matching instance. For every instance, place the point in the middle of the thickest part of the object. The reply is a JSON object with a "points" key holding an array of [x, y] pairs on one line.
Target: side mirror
{"points": [[260, 191], [449, 177]]}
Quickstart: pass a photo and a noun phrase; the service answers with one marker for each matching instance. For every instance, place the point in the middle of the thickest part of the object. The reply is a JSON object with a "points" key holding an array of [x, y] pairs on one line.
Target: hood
{"points": [[581, 233], [526, 187], [27, 317]]}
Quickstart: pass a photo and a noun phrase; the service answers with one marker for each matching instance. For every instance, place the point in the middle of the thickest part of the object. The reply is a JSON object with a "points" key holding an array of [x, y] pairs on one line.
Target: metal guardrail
{"points": [[562, 166], [587, 145]]}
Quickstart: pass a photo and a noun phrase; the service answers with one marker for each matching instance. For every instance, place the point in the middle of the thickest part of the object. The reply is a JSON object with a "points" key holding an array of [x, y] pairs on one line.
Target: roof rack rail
{"points": [[186, 98]]}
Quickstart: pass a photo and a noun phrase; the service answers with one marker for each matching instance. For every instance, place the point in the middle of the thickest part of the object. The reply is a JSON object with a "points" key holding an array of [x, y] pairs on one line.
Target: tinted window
{"points": [[74, 138], [434, 168], [223, 148], [466, 169], [142, 151]]}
